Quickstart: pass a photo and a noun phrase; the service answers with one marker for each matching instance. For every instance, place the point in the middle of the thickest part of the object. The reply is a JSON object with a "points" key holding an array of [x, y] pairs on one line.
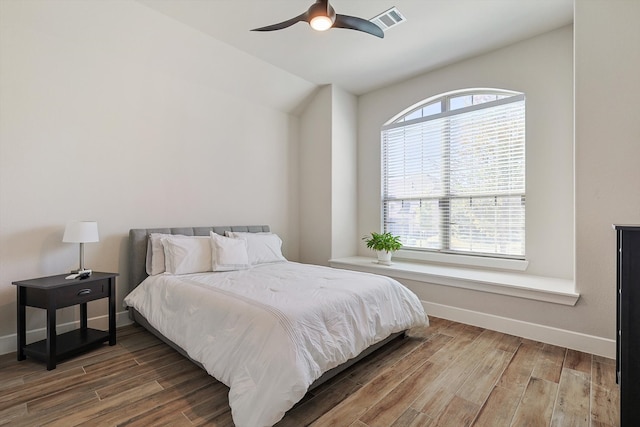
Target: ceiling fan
{"points": [[321, 16]]}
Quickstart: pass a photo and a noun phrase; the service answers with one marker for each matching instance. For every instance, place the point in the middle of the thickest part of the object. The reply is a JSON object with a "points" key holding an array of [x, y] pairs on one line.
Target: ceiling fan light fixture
{"points": [[321, 23], [321, 16]]}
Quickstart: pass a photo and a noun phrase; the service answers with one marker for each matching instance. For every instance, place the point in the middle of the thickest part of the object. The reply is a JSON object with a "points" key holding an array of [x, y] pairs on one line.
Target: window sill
{"points": [[540, 288], [463, 260]]}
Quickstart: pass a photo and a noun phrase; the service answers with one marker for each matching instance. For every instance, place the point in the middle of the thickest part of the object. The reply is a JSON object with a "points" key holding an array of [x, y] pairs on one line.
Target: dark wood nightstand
{"points": [[54, 292]]}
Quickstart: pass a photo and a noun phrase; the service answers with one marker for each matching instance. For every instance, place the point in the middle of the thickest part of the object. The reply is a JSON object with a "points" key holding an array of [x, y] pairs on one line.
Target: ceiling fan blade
{"points": [[284, 24], [354, 23]]}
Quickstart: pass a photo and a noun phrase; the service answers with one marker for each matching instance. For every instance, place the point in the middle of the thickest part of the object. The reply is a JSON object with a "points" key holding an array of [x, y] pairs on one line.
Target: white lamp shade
{"points": [[81, 232]]}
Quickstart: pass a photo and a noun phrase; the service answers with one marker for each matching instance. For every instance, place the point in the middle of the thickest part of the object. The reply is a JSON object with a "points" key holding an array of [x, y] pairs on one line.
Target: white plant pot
{"points": [[384, 257]]}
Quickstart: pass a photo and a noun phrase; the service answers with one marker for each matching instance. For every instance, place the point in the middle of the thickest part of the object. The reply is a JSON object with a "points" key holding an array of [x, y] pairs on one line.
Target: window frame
{"points": [[503, 97]]}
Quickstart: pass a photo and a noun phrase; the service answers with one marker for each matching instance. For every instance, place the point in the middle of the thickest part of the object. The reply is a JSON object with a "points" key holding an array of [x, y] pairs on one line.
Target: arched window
{"points": [[453, 174]]}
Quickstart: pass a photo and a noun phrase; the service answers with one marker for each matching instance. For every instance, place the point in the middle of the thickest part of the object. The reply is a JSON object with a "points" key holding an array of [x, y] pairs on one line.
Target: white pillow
{"points": [[187, 254], [228, 254], [262, 247], [155, 254], [155, 251]]}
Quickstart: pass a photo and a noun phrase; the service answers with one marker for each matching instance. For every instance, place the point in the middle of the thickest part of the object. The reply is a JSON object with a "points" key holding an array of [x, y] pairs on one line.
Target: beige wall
{"points": [[315, 178], [115, 113], [607, 58], [328, 176], [344, 200]]}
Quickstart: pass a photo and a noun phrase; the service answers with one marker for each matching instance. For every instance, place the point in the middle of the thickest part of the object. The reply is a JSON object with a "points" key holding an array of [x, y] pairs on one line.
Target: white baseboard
{"points": [[560, 337], [8, 343]]}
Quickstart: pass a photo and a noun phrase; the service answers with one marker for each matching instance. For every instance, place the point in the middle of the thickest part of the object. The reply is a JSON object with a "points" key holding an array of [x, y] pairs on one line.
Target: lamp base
{"points": [[80, 271]]}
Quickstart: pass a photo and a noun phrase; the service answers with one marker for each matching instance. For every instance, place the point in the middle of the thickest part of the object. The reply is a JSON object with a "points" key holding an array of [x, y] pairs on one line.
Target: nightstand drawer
{"points": [[82, 292]]}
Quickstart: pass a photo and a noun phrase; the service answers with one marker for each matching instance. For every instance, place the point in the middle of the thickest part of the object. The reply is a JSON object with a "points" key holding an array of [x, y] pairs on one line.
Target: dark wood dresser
{"points": [[628, 323]]}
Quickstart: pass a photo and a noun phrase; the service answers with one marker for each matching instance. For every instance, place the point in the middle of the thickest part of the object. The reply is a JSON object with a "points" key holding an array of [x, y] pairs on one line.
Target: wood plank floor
{"points": [[448, 374]]}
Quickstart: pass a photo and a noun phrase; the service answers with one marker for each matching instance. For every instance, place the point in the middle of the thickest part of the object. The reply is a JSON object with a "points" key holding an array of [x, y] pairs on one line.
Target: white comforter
{"points": [[270, 331]]}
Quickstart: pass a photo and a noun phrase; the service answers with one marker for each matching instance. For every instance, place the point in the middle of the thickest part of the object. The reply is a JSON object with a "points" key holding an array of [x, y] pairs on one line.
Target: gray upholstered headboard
{"points": [[138, 244]]}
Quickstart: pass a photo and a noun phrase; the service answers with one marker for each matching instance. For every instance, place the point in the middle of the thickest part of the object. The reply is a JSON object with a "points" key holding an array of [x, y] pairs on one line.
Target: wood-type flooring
{"points": [[448, 374]]}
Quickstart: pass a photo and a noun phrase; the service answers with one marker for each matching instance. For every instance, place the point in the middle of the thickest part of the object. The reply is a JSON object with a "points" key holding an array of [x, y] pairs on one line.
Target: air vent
{"points": [[388, 19]]}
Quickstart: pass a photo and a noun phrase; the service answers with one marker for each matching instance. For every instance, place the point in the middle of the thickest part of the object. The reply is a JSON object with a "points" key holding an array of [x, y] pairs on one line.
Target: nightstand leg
{"points": [[83, 317], [112, 311], [51, 338], [22, 323]]}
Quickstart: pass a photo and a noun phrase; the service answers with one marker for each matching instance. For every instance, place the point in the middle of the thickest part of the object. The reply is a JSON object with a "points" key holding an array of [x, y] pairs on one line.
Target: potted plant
{"points": [[385, 244]]}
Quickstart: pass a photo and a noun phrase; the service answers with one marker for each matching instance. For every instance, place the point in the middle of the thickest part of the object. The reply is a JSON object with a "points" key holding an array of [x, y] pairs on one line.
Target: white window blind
{"points": [[454, 181]]}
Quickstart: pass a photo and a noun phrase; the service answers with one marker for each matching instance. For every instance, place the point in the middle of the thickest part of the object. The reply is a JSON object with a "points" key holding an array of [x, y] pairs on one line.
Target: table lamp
{"points": [[81, 232]]}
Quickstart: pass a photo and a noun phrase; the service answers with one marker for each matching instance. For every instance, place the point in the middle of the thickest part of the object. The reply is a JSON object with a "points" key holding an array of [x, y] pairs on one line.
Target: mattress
{"points": [[268, 332]]}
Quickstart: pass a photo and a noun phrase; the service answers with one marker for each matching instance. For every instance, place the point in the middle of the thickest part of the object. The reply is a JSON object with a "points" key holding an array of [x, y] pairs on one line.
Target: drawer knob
{"points": [[84, 292]]}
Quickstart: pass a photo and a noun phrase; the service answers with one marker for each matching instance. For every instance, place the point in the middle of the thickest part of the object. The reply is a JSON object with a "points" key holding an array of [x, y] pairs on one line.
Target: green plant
{"points": [[383, 242]]}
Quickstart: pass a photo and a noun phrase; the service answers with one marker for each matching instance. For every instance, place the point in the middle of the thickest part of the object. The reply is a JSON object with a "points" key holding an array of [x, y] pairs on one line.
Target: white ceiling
{"points": [[436, 33]]}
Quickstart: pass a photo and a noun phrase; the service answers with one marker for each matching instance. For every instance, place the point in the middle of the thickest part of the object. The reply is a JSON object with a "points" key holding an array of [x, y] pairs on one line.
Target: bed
{"points": [[268, 330]]}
